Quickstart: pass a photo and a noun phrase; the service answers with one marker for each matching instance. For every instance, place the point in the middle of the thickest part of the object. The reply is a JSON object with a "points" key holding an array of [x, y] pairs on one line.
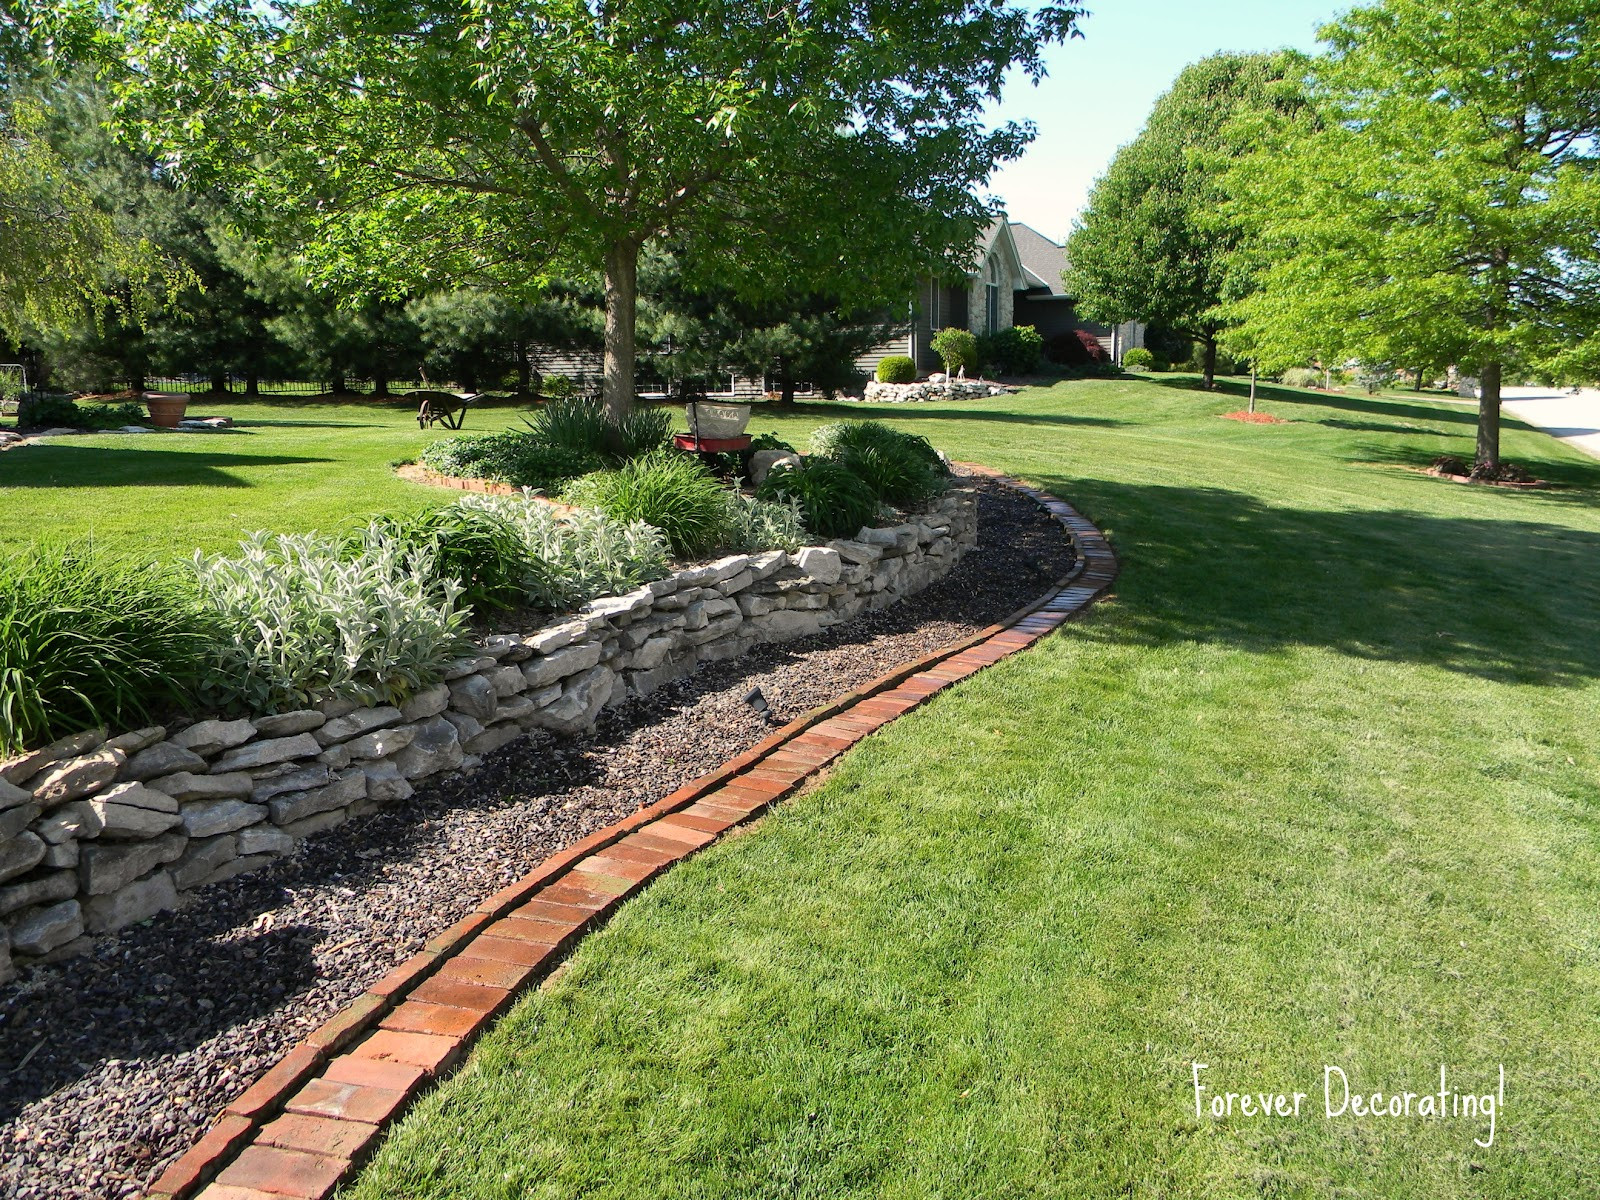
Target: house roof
{"points": [[1043, 260]]}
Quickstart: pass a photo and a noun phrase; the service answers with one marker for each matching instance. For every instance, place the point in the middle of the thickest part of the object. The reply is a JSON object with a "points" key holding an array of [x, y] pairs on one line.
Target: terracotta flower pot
{"points": [[166, 408]]}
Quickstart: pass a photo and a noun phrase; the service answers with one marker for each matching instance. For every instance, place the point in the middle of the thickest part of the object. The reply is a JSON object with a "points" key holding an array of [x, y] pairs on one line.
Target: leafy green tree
{"points": [[1155, 243], [461, 142], [1441, 203], [478, 336]]}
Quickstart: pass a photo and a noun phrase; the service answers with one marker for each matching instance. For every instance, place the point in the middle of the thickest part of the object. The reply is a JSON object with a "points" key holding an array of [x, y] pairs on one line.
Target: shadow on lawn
{"points": [[1513, 600], [90, 467], [960, 411]]}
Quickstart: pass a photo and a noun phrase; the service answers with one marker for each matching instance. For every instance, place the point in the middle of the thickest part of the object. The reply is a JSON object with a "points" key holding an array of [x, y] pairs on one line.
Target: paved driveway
{"points": [[1575, 419]]}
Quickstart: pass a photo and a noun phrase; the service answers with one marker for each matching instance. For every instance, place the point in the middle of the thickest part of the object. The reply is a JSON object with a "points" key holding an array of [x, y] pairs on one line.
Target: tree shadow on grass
{"points": [[91, 466], [959, 411], [1366, 406], [1514, 600]]}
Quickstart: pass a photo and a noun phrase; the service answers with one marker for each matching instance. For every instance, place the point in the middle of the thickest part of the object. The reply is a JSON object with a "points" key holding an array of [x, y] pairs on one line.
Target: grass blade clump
{"points": [[671, 491], [641, 431], [834, 501], [87, 639], [308, 617], [577, 424], [582, 554]]}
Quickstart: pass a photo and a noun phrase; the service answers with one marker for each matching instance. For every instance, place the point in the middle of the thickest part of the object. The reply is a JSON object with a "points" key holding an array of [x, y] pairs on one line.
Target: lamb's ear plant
{"points": [[583, 553], [306, 619], [754, 524], [90, 639], [472, 546]]}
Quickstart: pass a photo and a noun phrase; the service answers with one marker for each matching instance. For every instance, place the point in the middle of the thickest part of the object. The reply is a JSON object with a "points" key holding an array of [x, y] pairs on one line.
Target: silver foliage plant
{"points": [[588, 553], [310, 620], [765, 524]]}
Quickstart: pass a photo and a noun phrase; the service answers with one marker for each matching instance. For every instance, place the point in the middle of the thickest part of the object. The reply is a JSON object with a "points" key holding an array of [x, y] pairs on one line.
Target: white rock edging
{"points": [[97, 834], [942, 389]]}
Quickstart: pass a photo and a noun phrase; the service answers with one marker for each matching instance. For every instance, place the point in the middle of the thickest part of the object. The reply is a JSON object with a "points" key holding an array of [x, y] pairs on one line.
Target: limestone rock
{"points": [[207, 818], [580, 703], [133, 812], [475, 696], [73, 778], [43, 929], [345, 790], [381, 743], [21, 769], [466, 727], [300, 779], [14, 820], [165, 758], [136, 902], [64, 855], [820, 562], [462, 667], [21, 853], [427, 703], [653, 653], [507, 681], [184, 786], [202, 858], [267, 752], [762, 462], [12, 796], [354, 724], [562, 663], [106, 869], [208, 737], [286, 724], [385, 783], [500, 735], [75, 820], [435, 748], [547, 641], [44, 889], [264, 839], [139, 739]]}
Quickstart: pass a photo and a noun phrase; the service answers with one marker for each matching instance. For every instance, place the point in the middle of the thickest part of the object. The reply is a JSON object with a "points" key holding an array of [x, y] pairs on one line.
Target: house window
{"points": [[991, 312]]}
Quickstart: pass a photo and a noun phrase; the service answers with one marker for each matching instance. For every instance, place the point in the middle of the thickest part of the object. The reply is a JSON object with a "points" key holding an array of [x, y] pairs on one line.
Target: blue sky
{"points": [[1101, 87]]}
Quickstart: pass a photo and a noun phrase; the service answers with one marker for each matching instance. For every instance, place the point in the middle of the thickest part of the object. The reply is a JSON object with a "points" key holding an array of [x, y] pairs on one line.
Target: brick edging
{"points": [[304, 1126]]}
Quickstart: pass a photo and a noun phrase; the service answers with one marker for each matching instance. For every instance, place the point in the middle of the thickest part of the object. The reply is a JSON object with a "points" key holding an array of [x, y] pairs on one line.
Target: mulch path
{"points": [[130, 1052]]}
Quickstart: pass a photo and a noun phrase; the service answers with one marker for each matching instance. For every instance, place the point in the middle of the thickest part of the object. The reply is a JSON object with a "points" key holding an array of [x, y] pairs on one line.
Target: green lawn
{"points": [[286, 466], [1319, 787]]}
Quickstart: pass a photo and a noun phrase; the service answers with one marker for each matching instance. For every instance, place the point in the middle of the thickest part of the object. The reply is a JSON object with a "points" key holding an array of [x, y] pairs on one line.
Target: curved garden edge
{"points": [[305, 1126]]}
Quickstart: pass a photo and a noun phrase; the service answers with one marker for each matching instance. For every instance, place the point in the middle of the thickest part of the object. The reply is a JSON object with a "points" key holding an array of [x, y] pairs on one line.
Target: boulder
{"points": [[580, 703], [820, 562]]}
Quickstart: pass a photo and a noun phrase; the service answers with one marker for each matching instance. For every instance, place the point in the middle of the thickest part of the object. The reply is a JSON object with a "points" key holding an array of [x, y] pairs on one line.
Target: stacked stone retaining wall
{"points": [[98, 832]]}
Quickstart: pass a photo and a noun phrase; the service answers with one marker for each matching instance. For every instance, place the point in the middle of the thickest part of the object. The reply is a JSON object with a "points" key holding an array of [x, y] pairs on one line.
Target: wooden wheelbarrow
{"points": [[443, 408]]}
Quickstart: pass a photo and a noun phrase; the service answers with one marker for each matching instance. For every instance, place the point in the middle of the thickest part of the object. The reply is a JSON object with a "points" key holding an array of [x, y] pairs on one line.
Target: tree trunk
{"points": [[1420, 370], [622, 303], [1489, 419], [219, 382], [252, 384], [785, 384], [1210, 378], [1252, 387], [524, 371], [380, 384], [139, 381], [336, 384]]}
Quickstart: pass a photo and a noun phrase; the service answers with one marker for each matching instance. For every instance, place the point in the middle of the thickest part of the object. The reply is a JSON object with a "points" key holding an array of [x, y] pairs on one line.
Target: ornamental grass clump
{"points": [[833, 501], [901, 469], [87, 639], [581, 425], [307, 617], [671, 491], [582, 554]]}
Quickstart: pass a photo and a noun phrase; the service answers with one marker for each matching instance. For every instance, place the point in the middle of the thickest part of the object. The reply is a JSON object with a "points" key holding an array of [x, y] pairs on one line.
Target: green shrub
{"points": [[87, 640], [901, 469], [513, 457], [53, 411], [754, 524], [956, 348], [770, 441], [307, 617], [833, 501], [583, 554], [475, 548], [557, 387], [1138, 359], [1015, 351], [671, 491], [897, 368]]}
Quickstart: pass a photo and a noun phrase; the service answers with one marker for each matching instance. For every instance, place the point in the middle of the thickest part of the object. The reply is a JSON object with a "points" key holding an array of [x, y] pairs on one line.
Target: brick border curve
{"points": [[303, 1127]]}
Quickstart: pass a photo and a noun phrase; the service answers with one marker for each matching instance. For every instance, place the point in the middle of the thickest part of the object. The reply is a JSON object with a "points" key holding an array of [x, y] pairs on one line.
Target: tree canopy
{"points": [[1441, 203], [1155, 243], [430, 142]]}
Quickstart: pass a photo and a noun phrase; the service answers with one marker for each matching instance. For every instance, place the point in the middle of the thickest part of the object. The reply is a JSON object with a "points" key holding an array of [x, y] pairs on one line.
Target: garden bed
{"points": [[173, 1018]]}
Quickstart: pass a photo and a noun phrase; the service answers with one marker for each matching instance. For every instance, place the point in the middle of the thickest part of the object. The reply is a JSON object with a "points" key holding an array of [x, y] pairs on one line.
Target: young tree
{"points": [[1441, 204], [1155, 244], [466, 141]]}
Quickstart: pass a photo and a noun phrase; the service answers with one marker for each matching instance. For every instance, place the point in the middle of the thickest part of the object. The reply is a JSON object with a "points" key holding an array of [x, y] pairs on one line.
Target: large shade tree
{"points": [[504, 141], [1155, 243], [1442, 203]]}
